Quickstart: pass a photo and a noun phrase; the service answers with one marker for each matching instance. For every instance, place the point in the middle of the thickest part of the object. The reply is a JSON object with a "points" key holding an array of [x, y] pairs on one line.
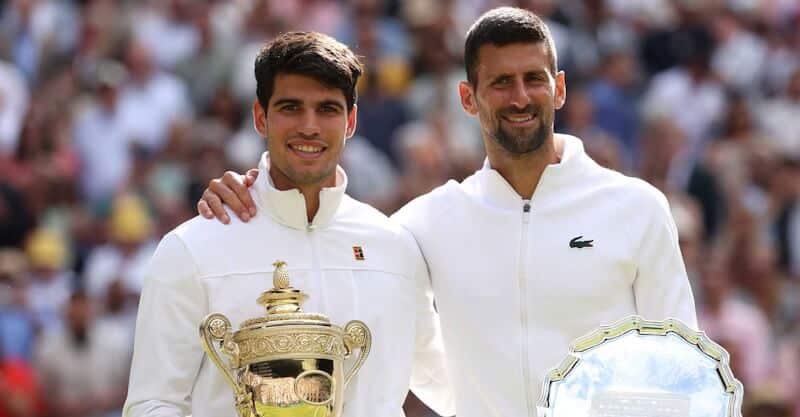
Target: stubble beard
{"points": [[520, 144], [304, 179]]}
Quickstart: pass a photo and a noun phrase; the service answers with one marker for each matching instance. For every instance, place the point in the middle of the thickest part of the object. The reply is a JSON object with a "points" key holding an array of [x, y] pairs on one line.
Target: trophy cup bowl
{"points": [[288, 363]]}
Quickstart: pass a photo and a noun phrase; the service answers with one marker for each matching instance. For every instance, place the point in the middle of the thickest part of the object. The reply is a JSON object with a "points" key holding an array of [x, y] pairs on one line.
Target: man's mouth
{"points": [[519, 120], [307, 150]]}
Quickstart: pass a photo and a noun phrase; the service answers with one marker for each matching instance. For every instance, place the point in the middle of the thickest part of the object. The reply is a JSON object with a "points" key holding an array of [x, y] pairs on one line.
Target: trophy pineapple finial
{"points": [[282, 298], [280, 277]]}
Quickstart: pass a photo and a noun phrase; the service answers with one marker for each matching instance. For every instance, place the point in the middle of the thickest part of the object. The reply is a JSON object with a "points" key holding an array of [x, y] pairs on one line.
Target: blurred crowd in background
{"points": [[115, 114]]}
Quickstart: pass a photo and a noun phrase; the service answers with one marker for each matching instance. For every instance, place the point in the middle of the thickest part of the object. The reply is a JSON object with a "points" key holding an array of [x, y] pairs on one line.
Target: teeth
{"points": [[519, 119], [307, 148]]}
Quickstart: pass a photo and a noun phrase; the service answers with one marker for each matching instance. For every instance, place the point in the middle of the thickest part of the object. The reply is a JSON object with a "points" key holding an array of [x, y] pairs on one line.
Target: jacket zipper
{"points": [[316, 271], [523, 304]]}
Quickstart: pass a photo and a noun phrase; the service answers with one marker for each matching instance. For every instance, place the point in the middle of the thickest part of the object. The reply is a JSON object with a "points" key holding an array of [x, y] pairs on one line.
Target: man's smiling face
{"points": [[515, 96], [306, 124]]}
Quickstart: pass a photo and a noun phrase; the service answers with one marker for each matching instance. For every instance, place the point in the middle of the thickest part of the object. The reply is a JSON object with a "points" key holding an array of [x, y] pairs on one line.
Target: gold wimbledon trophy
{"points": [[288, 363]]}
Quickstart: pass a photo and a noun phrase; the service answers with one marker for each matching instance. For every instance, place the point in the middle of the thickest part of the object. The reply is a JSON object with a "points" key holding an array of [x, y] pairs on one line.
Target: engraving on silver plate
{"points": [[639, 404]]}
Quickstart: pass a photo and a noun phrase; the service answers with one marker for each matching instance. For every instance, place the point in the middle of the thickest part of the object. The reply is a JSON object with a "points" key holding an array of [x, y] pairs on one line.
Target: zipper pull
{"points": [[526, 211]]}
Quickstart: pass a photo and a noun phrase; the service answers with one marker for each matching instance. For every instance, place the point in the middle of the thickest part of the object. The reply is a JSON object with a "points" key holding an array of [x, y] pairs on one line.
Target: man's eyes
{"points": [[329, 109]]}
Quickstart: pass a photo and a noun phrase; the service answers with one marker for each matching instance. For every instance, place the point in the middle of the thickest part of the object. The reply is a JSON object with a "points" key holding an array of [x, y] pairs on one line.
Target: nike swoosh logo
{"points": [[577, 243]]}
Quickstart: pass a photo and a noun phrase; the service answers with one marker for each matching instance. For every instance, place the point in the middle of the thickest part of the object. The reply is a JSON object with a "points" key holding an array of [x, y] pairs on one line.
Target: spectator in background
{"points": [[103, 140], [579, 116], [35, 31], [15, 219], [665, 162], [738, 326], [20, 395], [786, 223], [689, 94], [740, 55], [779, 117], [689, 223], [84, 364], [168, 29], [124, 258], [19, 391], [788, 363], [728, 155], [17, 324], [423, 160], [14, 101], [260, 22], [381, 111], [152, 100], [208, 69], [613, 97], [49, 282]]}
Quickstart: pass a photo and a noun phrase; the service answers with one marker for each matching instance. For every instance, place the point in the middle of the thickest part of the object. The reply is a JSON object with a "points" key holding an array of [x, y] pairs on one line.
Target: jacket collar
{"points": [[495, 190], [288, 207]]}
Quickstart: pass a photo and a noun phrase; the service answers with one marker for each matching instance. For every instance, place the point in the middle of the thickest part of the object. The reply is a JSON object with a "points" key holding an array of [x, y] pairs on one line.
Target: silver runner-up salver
{"points": [[641, 368]]}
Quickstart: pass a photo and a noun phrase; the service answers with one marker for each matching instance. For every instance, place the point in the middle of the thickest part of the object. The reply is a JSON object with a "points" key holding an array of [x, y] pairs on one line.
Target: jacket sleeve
{"points": [[661, 288], [429, 377], [167, 352]]}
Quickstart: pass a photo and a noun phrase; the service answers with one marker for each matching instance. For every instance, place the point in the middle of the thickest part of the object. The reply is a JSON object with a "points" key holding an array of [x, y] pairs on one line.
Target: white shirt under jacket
{"points": [[204, 266], [511, 292]]}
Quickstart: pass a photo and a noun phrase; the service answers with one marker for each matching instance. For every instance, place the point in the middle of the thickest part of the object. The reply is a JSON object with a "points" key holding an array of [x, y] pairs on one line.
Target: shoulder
{"points": [[624, 188], [431, 206], [398, 252], [192, 246], [362, 218]]}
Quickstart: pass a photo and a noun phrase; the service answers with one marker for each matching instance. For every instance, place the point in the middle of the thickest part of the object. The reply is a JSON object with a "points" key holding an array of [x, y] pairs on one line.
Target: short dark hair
{"points": [[311, 54], [503, 26]]}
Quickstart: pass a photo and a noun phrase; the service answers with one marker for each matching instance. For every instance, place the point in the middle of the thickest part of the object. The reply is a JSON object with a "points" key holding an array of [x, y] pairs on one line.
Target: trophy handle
{"points": [[356, 335], [217, 327]]}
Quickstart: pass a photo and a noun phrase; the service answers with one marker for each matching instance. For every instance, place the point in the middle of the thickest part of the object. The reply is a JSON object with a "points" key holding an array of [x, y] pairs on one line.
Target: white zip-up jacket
{"points": [[516, 281], [204, 266]]}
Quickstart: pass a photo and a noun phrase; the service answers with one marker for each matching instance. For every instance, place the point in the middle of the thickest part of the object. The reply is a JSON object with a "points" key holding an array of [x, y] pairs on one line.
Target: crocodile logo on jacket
{"points": [[577, 243]]}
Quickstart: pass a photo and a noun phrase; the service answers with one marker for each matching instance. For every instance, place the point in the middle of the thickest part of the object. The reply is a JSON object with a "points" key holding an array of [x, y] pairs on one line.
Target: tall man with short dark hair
{"points": [[352, 261], [541, 245]]}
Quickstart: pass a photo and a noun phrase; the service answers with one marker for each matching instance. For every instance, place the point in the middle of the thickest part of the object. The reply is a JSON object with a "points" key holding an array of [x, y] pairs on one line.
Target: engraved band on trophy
{"points": [[642, 368], [287, 362]]}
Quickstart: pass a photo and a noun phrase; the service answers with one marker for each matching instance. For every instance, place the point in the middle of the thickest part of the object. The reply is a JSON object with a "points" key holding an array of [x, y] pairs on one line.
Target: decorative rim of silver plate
{"points": [[648, 327]]}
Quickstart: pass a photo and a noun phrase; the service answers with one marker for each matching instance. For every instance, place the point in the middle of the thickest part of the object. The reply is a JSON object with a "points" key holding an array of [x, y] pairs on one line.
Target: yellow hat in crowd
{"points": [[46, 248], [130, 220]]}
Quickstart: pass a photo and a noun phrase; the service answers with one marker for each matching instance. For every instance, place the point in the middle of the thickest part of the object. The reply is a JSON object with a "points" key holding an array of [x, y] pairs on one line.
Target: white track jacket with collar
{"points": [[516, 281], [204, 266]]}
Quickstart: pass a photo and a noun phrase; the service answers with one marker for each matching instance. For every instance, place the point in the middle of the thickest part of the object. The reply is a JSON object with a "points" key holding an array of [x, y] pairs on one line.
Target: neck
{"points": [[310, 192], [523, 171]]}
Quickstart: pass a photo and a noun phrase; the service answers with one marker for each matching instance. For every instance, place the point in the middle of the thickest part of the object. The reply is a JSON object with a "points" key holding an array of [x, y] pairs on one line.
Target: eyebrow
{"points": [[297, 101], [536, 72]]}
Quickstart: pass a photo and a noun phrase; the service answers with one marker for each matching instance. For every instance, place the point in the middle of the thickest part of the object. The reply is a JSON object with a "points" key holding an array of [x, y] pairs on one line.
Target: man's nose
{"points": [[309, 125], [519, 95]]}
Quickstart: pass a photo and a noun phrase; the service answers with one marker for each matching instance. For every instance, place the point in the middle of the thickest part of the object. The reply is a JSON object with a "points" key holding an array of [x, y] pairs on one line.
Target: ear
{"points": [[259, 119], [468, 98], [561, 90], [352, 117]]}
